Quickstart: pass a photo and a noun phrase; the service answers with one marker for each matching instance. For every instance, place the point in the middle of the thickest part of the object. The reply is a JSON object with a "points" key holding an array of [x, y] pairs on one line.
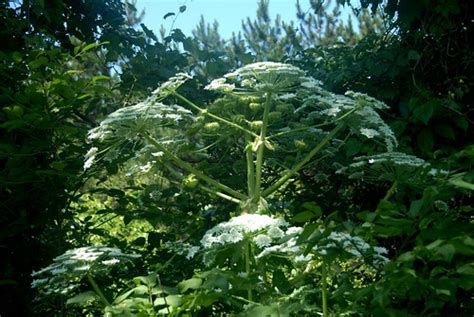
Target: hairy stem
{"points": [[97, 290], [262, 140], [247, 266], [187, 167], [219, 194], [324, 290], [178, 175], [391, 191], [213, 116], [303, 162], [250, 166]]}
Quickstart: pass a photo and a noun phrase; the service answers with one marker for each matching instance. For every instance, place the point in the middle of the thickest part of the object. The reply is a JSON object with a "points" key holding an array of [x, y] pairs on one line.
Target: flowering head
{"points": [[67, 270], [261, 77], [170, 86]]}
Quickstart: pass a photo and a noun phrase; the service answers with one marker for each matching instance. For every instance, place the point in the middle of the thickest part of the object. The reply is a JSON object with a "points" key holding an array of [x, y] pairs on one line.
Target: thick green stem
{"points": [[176, 174], [262, 139], [391, 191], [324, 290], [213, 116], [97, 290], [303, 162], [187, 167], [250, 166], [247, 266], [219, 194]]}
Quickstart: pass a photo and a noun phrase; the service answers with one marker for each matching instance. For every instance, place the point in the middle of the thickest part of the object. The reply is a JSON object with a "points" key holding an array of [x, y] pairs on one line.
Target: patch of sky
{"points": [[228, 13]]}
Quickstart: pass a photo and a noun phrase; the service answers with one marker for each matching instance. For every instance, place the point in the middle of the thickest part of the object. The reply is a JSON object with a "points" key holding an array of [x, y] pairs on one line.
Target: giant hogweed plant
{"points": [[272, 120]]}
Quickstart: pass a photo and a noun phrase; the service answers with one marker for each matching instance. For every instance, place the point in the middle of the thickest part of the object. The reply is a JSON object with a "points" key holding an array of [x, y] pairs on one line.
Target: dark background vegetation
{"points": [[65, 64]]}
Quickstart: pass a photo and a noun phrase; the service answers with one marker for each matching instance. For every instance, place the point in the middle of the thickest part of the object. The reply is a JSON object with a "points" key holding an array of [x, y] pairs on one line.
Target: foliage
{"points": [[248, 189], [165, 133]]}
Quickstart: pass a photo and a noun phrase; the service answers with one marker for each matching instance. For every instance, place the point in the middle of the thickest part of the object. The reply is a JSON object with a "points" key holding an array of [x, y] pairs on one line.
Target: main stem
{"points": [[261, 146], [247, 266], [303, 162], [324, 290], [97, 290], [250, 166], [391, 191]]}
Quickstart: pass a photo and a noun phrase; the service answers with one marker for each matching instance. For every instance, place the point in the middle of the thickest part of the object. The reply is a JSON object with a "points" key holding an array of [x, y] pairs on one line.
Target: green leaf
{"points": [[447, 251], [82, 298], [307, 232], [123, 296], [425, 140], [280, 281], [303, 216], [424, 112], [149, 280], [182, 8], [192, 283], [459, 182], [445, 131], [415, 207], [413, 55], [99, 77], [406, 257], [170, 300], [312, 207], [140, 241]]}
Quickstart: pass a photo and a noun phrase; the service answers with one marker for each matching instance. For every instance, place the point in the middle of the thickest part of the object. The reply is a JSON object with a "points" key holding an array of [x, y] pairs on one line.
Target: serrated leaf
{"points": [[304, 216], [424, 112], [123, 296], [170, 300], [307, 232], [82, 298], [192, 283]]}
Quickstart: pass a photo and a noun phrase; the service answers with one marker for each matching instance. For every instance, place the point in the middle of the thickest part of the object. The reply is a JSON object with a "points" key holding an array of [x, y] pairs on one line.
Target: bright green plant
{"points": [[274, 120]]}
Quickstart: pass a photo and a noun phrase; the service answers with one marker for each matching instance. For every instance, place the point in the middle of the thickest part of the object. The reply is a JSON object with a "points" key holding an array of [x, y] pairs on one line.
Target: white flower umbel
{"points": [[390, 166], [357, 110], [90, 157], [260, 77], [68, 269], [182, 248], [126, 121], [237, 228], [120, 134], [346, 245], [220, 85], [262, 240], [169, 86], [353, 245]]}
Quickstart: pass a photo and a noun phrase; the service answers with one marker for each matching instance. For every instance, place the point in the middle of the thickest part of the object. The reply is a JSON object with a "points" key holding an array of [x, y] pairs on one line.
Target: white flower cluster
{"points": [[261, 76], [90, 157], [182, 248], [338, 241], [237, 228], [121, 122], [171, 85], [68, 269], [386, 167], [220, 85], [364, 120], [355, 246], [289, 245], [119, 133]]}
